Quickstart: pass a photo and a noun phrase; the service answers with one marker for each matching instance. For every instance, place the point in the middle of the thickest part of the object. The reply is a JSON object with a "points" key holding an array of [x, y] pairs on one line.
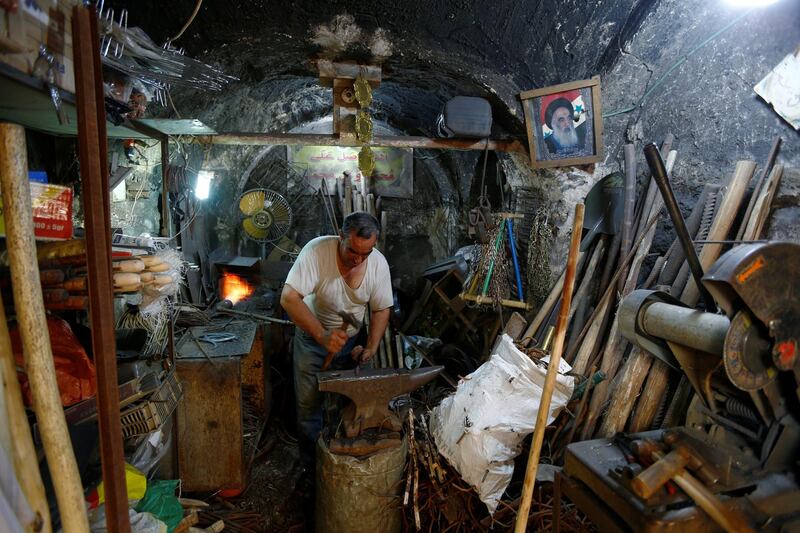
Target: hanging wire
{"points": [[675, 65]]}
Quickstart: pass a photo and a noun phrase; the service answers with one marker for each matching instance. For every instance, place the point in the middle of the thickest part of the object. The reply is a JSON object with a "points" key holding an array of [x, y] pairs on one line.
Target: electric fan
{"points": [[265, 215]]}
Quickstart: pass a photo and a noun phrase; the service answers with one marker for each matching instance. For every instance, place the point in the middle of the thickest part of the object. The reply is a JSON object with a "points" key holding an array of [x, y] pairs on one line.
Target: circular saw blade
{"points": [[747, 354]]}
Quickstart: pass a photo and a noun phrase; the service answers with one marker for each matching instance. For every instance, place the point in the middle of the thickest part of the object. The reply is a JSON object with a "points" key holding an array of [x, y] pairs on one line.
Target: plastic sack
{"points": [[479, 429], [160, 500], [135, 482], [151, 450], [140, 522], [75, 372]]}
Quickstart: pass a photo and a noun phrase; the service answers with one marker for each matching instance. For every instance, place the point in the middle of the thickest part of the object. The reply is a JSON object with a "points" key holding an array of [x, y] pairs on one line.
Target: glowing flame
{"points": [[234, 288]]}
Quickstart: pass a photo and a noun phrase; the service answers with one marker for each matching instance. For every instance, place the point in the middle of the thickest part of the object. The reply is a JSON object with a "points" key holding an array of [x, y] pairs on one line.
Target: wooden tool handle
{"points": [[650, 480], [552, 369], [329, 356], [159, 267], [76, 284], [124, 279], [129, 265], [73, 303]]}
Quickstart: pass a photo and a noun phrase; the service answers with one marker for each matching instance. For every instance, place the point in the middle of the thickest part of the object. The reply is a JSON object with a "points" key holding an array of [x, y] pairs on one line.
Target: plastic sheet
{"points": [[75, 373], [479, 429]]}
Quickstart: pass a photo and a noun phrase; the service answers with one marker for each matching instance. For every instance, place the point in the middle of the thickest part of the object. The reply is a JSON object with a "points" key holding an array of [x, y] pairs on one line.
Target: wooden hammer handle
{"points": [[655, 476], [329, 357]]}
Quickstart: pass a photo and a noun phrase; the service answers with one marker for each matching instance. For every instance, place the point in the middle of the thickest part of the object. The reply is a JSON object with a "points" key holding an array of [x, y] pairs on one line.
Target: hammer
{"points": [[672, 466], [347, 320]]}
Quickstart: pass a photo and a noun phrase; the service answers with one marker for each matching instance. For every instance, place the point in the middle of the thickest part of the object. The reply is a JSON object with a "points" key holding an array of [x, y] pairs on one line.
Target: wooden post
{"points": [[33, 329], [552, 372], [22, 451], [93, 157]]}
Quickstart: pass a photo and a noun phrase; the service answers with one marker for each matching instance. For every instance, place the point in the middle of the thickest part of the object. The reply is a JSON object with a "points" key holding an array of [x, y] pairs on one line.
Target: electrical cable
{"points": [[675, 65], [188, 22]]}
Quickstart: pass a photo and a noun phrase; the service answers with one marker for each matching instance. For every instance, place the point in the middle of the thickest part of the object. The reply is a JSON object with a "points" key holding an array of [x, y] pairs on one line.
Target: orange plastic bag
{"points": [[75, 372]]}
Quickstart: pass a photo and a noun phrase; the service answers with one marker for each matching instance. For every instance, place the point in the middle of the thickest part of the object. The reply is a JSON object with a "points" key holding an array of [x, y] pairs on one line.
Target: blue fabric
{"points": [[308, 357]]}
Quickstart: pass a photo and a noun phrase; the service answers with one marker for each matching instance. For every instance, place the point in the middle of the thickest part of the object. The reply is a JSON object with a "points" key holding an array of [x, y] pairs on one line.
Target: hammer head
{"points": [[349, 318]]}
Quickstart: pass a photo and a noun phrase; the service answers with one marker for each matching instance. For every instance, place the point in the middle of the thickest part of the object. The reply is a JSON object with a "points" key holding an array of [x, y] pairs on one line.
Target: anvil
{"points": [[371, 391]]}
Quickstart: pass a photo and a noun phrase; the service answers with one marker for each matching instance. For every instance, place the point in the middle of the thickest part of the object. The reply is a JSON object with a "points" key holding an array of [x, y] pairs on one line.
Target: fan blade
{"points": [[254, 231], [252, 202]]}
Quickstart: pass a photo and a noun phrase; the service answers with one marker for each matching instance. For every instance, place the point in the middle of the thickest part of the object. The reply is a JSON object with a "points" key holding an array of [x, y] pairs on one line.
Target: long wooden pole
{"points": [[33, 331], [552, 372], [22, 452], [92, 153]]}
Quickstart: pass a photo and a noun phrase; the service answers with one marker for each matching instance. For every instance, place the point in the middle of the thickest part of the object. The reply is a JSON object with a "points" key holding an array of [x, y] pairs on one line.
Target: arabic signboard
{"points": [[393, 175]]}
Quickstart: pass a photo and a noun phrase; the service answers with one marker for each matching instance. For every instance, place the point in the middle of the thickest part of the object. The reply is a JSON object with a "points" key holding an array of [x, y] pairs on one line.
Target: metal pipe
{"points": [[689, 327], [513, 245], [659, 173]]}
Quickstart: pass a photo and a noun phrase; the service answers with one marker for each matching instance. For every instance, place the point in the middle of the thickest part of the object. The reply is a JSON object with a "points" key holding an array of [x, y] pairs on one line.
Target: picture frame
{"points": [[553, 139]]}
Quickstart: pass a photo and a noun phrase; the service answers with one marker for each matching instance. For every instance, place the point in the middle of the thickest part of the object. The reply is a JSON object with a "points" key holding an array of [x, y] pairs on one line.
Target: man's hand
{"points": [[333, 340], [362, 355]]}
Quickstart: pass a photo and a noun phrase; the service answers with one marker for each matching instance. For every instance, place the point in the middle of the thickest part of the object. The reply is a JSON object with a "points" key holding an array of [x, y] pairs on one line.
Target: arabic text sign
{"points": [[393, 175]]}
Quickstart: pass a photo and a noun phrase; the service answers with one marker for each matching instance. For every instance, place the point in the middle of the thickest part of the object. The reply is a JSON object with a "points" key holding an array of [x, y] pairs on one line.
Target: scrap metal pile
{"points": [[631, 380]]}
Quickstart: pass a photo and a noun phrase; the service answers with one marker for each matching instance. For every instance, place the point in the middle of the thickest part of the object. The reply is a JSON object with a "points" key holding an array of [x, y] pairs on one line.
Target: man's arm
{"points": [[378, 320], [301, 315]]}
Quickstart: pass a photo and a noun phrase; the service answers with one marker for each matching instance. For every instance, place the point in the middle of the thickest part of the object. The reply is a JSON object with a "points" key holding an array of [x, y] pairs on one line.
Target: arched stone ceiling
{"points": [[439, 49]]}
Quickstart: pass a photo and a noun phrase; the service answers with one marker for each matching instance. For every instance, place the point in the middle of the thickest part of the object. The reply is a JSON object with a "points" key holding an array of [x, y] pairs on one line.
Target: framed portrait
{"points": [[564, 124]]}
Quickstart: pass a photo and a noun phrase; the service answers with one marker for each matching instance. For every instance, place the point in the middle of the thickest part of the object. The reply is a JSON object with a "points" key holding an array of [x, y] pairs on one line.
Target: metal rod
{"points": [[497, 241], [659, 173], [514, 258]]}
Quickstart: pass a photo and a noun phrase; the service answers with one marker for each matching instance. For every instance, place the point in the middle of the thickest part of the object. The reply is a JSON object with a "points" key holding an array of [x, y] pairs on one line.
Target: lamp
{"points": [[203, 186]]}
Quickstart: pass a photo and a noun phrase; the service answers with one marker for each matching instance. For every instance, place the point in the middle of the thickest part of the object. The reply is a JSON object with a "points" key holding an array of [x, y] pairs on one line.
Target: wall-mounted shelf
{"points": [[26, 101]]}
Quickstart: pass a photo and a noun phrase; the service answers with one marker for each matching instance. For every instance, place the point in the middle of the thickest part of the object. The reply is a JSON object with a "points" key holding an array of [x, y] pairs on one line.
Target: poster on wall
{"points": [[564, 124], [393, 176]]}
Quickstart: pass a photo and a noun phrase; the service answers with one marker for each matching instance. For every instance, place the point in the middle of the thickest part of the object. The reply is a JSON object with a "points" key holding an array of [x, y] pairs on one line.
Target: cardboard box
{"points": [[37, 22], [52, 212]]}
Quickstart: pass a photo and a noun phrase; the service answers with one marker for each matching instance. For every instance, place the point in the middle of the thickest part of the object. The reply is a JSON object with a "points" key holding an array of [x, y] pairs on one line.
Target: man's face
{"points": [[354, 250], [562, 120]]}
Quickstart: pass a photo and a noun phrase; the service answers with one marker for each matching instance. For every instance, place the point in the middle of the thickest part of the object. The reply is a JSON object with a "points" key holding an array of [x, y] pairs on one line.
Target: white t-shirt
{"points": [[316, 276]]}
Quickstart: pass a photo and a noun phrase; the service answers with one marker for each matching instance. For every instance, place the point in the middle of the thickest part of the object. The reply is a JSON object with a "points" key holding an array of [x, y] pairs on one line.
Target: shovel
{"points": [[604, 208]]}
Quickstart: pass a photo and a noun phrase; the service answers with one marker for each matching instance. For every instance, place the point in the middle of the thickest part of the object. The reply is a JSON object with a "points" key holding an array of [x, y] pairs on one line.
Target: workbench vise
{"points": [[371, 390]]}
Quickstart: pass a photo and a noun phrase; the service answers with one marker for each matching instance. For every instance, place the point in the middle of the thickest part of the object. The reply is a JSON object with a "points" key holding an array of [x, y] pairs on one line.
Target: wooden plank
{"points": [[569, 86], [723, 221], [391, 141], [254, 374], [210, 448], [328, 70], [487, 300], [93, 158]]}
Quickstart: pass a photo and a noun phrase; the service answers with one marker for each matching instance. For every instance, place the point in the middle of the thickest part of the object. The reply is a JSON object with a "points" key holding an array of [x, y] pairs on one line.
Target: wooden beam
{"points": [[93, 158], [391, 141], [328, 70]]}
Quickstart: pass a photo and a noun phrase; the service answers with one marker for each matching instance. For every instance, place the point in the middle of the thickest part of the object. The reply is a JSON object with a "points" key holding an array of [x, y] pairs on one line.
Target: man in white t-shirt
{"points": [[333, 274]]}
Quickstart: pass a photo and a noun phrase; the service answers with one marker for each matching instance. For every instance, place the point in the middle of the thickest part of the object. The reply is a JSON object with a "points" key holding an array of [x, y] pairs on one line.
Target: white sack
{"points": [[480, 428]]}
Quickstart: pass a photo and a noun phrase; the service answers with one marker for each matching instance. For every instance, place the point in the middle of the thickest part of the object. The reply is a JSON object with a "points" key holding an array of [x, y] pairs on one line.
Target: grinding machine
{"points": [[735, 459]]}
